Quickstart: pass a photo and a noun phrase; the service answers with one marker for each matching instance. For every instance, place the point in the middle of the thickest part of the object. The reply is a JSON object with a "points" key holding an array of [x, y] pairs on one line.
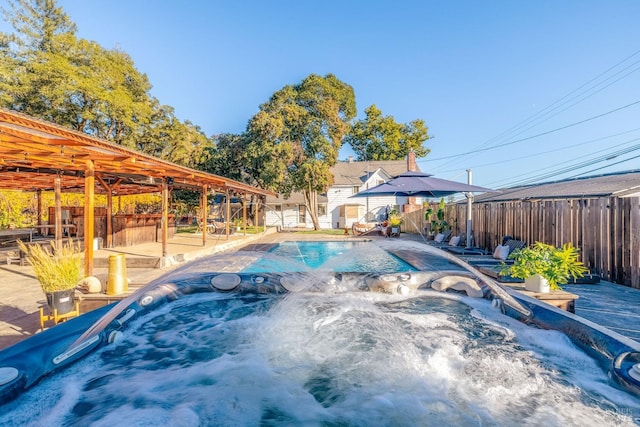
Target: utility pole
{"points": [[469, 211]]}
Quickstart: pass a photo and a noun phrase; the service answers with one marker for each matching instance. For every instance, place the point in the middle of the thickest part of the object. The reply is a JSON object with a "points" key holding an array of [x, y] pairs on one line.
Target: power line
{"points": [[549, 109], [579, 100], [574, 166], [534, 136], [604, 167], [566, 147]]}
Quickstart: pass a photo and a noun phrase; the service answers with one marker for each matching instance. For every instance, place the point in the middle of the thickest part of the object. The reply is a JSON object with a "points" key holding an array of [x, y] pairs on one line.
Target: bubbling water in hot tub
{"points": [[328, 355], [321, 348]]}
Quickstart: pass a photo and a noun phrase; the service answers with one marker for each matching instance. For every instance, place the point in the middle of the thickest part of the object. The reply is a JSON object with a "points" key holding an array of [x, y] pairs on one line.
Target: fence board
{"points": [[606, 230]]}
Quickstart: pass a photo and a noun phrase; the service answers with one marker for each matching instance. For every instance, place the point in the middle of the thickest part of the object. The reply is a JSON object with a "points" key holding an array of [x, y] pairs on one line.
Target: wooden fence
{"points": [[606, 230]]}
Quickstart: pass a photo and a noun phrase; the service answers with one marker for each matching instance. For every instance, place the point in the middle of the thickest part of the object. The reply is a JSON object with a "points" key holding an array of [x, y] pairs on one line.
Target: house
{"points": [[337, 208]]}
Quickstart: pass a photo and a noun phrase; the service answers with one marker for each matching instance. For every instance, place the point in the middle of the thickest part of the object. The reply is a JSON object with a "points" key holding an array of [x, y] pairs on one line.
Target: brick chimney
{"points": [[411, 162], [412, 204], [350, 159]]}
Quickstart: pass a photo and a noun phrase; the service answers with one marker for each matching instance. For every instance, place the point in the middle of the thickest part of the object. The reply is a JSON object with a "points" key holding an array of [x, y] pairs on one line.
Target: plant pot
{"points": [[63, 301], [537, 283]]}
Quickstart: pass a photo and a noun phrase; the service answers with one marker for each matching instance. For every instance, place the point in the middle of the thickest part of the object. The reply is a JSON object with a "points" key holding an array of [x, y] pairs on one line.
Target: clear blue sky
{"points": [[472, 70]]}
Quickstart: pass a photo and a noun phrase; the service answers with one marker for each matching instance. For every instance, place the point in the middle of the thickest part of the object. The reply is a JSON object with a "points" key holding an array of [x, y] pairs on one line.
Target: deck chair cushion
{"points": [[501, 252], [454, 241], [439, 238]]}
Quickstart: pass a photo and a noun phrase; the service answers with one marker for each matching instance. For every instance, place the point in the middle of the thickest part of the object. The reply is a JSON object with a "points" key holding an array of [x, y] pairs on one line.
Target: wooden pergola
{"points": [[37, 156]]}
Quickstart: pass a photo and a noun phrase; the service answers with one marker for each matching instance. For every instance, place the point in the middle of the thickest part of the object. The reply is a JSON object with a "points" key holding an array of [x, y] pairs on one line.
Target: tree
{"points": [[379, 137], [73, 82], [168, 138], [298, 134], [8, 70], [77, 83], [38, 22]]}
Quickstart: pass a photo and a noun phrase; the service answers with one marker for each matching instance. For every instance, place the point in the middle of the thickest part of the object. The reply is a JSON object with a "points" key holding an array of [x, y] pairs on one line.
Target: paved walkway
{"points": [[607, 304], [21, 296]]}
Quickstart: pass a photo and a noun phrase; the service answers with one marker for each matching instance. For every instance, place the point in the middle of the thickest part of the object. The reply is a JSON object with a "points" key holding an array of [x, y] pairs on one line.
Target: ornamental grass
{"points": [[56, 269]]}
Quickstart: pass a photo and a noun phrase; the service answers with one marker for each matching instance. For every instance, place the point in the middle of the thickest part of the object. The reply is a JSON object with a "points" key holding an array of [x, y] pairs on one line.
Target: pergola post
{"points": [[39, 206], [164, 223], [109, 242], [89, 208], [228, 212], [244, 213], [58, 212], [203, 214], [263, 201], [109, 191]]}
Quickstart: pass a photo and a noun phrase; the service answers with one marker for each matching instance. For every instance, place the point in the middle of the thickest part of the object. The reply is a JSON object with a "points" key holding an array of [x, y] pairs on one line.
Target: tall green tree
{"points": [[47, 72], [8, 68], [301, 128], [37, 23], [73, 82], [379, 137], [170, 139]]}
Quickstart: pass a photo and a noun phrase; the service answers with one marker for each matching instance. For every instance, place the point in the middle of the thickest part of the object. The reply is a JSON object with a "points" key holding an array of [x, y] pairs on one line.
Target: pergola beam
{"points": [[33, 153]]}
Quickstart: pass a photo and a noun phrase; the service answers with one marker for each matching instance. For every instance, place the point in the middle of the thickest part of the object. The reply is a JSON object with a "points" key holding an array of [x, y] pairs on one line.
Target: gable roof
{"points": [[296, 198], [350, 173], [620, 184]]}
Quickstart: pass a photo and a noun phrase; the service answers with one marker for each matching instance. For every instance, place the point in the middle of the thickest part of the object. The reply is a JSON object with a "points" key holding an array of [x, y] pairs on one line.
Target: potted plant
{"points": [[237, 223], [395, 220], [436, 224], [58, 271], [544, 267]]}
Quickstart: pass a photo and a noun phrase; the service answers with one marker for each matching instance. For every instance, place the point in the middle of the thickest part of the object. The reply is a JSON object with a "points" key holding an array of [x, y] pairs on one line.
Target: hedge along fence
{"points": [[606, 230]]}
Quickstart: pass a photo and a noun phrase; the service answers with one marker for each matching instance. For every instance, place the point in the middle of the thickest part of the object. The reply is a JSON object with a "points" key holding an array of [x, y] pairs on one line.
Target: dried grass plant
{"points": [[56, 270]]}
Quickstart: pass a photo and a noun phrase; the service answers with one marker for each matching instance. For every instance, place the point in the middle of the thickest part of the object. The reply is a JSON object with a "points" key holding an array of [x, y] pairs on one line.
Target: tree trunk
{"points": [[311, 200]]}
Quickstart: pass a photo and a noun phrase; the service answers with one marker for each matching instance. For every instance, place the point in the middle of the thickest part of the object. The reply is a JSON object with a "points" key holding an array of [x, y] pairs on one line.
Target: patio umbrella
{"points": [[420, 184]]}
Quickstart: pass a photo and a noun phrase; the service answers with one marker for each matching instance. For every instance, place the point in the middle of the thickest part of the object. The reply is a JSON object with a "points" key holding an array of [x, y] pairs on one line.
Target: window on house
{"points": [[278, 208], [302, 214], [322, 210], [380, 181], [356, 190]]}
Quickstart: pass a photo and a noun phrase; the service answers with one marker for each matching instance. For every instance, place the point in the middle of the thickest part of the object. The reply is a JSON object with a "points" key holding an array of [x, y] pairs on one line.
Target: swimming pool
{"points": [[340, 256], [208, 346]]}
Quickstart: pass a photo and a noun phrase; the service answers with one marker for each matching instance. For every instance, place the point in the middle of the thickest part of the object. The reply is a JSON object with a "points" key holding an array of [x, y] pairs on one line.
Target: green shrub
{"points": [[554, 264]]}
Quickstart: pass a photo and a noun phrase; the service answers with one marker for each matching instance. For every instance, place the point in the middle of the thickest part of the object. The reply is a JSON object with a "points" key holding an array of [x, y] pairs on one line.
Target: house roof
{"points": [[350, 173], [621, 184], [295, 198]]}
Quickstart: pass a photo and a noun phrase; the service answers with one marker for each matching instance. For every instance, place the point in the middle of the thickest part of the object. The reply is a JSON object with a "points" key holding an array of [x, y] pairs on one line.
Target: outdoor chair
{"points": [[465, 250], [455, 242], [500, 254], [15, 257], [358, 228], [440, 239], [221, 227]]}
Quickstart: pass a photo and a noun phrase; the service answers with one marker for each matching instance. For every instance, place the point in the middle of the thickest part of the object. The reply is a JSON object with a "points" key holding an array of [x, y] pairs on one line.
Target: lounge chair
{"points": [[455, 242], [500, 254], [464, 250], [440, 239], [360, 228]]}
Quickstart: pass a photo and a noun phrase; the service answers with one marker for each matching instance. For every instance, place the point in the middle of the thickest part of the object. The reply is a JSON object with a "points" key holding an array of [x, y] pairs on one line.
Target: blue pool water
{"points": [[338, 256]]}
